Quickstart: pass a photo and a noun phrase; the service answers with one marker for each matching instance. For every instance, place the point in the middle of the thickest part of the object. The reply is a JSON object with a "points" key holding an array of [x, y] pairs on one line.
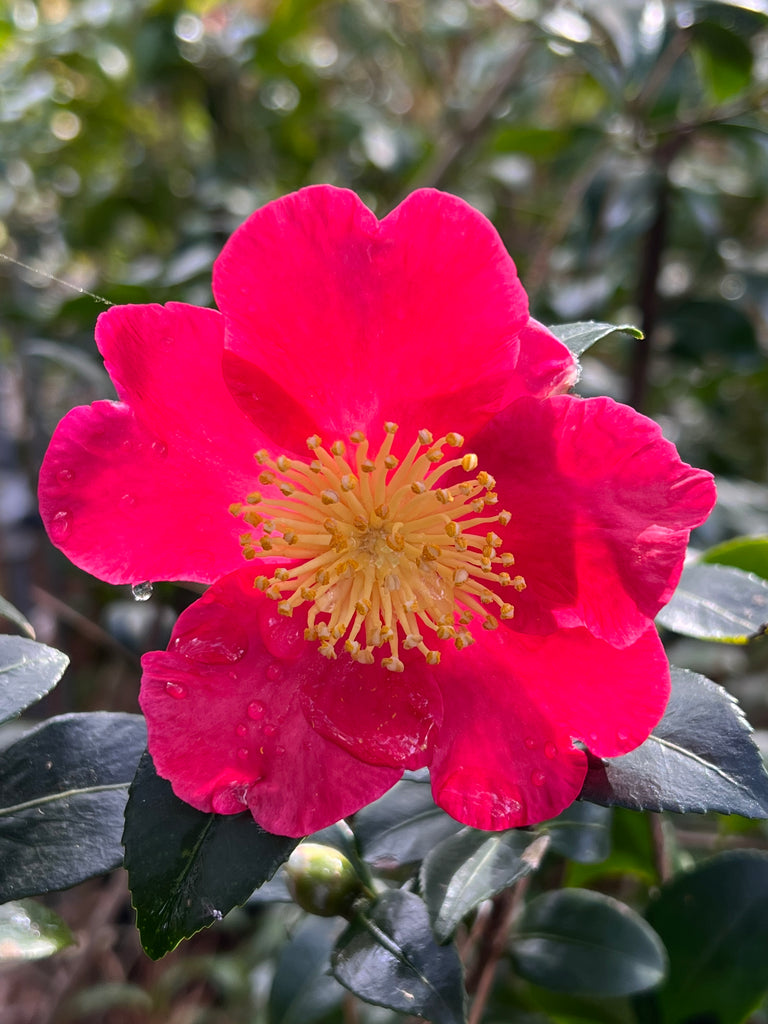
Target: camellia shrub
{"points": [[428, 640]]}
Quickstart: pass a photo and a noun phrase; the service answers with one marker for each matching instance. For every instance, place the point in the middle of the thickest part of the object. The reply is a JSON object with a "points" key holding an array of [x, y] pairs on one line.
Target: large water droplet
{"points": [[256, 710], [177, 690], [230, 799], [65, 476], [550, 750], [142, 591], [61, 524], [538, 778]]}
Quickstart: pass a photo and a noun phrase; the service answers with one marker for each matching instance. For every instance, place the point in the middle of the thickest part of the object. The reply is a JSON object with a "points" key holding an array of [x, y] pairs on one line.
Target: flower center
{"points": [[382, 552]]}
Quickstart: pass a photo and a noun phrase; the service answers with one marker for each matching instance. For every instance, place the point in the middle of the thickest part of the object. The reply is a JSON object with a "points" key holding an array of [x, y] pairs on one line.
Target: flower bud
{"points": [[322, 881]]}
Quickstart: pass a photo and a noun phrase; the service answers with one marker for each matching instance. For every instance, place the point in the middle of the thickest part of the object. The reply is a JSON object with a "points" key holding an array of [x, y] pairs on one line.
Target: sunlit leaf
{"points": [[578, 337], [8, 611], [30, 931], [717, 602], [28, 670]]}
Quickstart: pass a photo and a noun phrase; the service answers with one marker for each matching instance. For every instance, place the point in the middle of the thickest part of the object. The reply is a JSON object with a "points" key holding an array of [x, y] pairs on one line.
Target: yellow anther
{"points": [[505, 517], [360, 523], [425, 437], [391, 462], [454, 440], [368, 466], [338, 448], [266, 544], [486, 480], [314, 442], [504, 579], [460, 576], [445, 632], [507, 558], [519, 583], [283, 463], [430, 552], [254, 498], [491, 498], [435, 455], [274, 592], [365, 657], [327, 650], [418, 487], [235, 509], [261, 582], [267, 477], [316, 466], [493, 539], [393, 664], [249, 553], [282, 575], [363, 606], [412, 640], [329, 497], [432, 657], [390, 427], [252, 518], [444, 496], [460, 543], [347, 482], [382, 511], [490, 623], [323, 578], [506, 611], [310, 633], [286, 488], [290, 538], [285, 608], [261, 456], [453, 529], [352, 647], [464, 639], [308, 593], [357, 437], [469, 462], [395, 542]]}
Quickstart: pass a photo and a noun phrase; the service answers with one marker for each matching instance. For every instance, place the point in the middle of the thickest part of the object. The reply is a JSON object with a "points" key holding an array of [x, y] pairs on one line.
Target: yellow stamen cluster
{"points": [[378, 547]]}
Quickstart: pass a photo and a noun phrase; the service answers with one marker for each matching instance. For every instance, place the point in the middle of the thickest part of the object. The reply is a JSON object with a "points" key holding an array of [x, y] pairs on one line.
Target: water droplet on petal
{"points": [[160, 449], [65, 476], [177, 690], [243, 753], [126, 445], [538, 778], [230, 799], [61, 524], [209, 650], [128, 501], [242, 730], [280, 751], [283, 637], [274, 671], [142, 591], [530, 742], [550, 750], [270, 730], [256, 710], [622, 736]]}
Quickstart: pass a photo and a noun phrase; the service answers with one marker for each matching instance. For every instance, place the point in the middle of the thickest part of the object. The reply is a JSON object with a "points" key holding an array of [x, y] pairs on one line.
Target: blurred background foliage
{"points": [[620, 148]]}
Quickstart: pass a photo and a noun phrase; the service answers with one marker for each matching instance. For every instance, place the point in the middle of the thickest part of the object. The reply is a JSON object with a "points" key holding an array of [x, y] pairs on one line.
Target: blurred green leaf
{"points": [[29, 931], [302, 988], [465, 869], [586, 943], [717, 602], [388, 956], [28, 670], [8, 611], [63, 788], [700, 757], [747, 553], [724, 60], [186, 869], [714, 923], [582, 832]]}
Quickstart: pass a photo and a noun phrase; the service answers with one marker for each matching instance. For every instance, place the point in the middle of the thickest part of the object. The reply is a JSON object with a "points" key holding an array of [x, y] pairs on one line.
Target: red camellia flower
{"points": [[423, 550]]}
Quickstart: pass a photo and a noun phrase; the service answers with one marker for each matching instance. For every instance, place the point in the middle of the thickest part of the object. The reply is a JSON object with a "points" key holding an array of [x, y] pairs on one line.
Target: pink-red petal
{"points": [[602, 507], [339, 321], [225, 720], [140, 489], [514, 706], [379, 716]]}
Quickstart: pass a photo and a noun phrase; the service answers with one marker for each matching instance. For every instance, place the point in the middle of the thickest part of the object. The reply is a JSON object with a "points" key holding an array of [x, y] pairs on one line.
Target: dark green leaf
{"points": [[388, 956], [28, 671], [582, 833], [717, 602], [700, 757], [303, 989], [187, 869], [578, 941], [403, 825], [8, 611], [578, 337], [714, 923], [724, 60], [465, 869], [29, 931], [63, 789], [747, 553]]}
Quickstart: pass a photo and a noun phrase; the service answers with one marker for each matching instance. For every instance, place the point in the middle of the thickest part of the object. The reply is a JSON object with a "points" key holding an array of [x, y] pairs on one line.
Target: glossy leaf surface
{"points": [[700, 757], [717, 602], [63, 789], [578, 337], [389, 956], [28, 670], [187, 869]]}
